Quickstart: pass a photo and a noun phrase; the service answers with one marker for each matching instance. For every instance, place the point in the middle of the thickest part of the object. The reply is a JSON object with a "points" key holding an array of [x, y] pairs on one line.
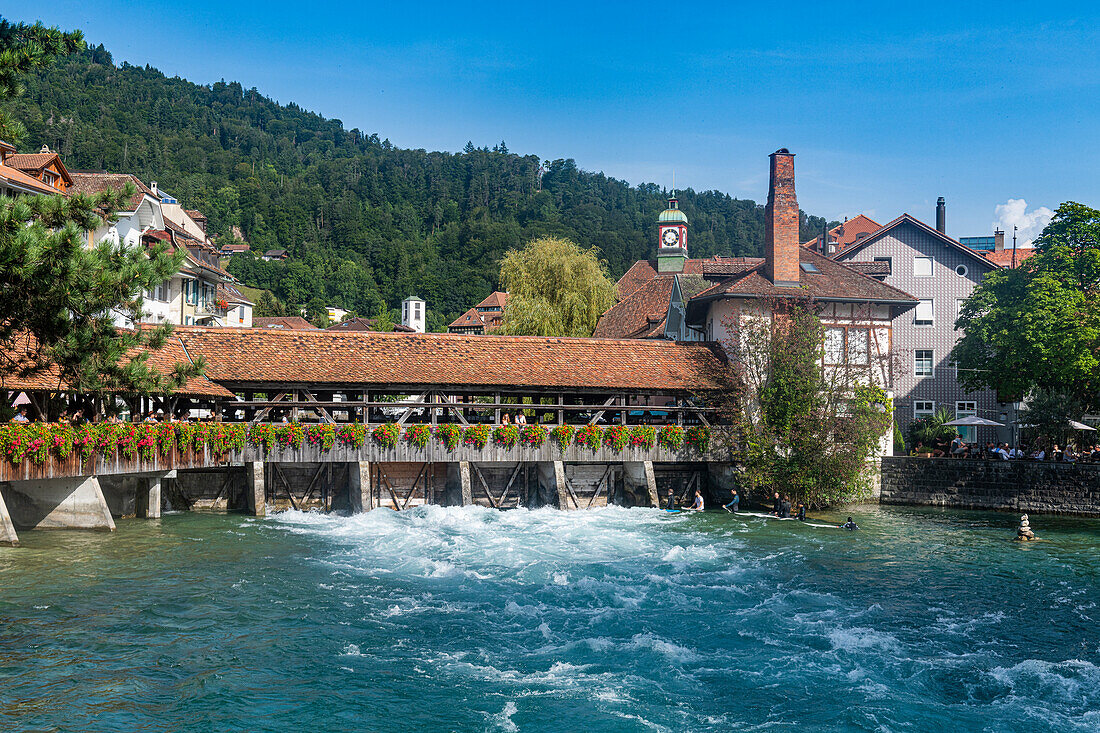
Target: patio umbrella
{"points": [[974, 421], [1080, 426]]}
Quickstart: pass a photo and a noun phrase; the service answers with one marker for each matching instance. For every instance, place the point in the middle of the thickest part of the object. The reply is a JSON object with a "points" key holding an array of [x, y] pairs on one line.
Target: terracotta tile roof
{"points": [[163, 360], [483, 320], [1004, 257], [19, 179], [93, 183], [231, 294], [872, 269], [835, 281], [236, 247], [294, 323], [354, 324], [360, 358], [643, 271], [194, 214], [848, 233], [30, 161], [641, 314]]}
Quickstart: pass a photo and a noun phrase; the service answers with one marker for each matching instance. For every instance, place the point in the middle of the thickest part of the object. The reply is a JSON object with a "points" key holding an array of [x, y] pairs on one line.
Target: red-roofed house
{"points": [[844, 235], [485, 317], [23, 174]]}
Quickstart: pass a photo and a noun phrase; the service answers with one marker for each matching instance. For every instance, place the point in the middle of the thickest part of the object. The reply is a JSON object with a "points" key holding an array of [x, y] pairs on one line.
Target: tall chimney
{"points": [[941, 215], [781, 249], [998, 240]]}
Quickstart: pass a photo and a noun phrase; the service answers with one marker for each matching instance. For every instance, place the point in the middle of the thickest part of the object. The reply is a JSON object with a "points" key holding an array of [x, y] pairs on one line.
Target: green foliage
{"points": [[642, 436], [563, 435], [928, 431], [386, 435], [555, 289], [506, 436], [533, 436], [365, 223], [1038, 327], [58, 294], [1047, 414], [476, 435], [698, 438], [671, 437], [418, 435], [589, 437], [616, 437], [796, 428], [449, 436]]}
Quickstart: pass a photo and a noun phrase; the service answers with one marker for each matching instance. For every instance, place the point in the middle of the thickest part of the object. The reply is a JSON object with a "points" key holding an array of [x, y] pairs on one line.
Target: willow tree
{"points": [[555, 288]]}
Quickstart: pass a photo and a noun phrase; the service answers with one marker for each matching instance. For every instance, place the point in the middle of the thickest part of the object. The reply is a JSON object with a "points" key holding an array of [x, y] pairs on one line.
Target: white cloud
{"points": [[1030, 224]]}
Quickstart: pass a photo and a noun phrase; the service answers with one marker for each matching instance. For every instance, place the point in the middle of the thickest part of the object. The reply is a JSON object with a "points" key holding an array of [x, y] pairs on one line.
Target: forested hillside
{"points": [[365, 222]]}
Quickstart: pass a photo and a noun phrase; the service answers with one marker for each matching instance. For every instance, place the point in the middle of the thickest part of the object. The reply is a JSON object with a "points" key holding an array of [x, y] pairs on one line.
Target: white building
{"points": [[414, 314]]}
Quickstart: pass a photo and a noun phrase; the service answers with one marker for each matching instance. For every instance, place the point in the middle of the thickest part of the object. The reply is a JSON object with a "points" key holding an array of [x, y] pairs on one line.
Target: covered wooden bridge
{"points": [[268, 376]]}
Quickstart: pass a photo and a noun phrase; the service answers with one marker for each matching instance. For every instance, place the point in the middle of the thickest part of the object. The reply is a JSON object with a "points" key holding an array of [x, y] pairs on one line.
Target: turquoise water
{"points": [[610, 620]]}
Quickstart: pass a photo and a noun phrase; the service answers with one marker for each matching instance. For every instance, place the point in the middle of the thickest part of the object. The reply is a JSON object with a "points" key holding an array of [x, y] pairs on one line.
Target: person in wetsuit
{"points": [[671, 503], [785, 507], [801, 512], [775, 504], [849, 525], [734, 503]]}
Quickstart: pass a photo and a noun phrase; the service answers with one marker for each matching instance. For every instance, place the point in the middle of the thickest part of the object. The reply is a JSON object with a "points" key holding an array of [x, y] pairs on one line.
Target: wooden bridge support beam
{"points": [[640, 480], [359, 489], [254, 488]]}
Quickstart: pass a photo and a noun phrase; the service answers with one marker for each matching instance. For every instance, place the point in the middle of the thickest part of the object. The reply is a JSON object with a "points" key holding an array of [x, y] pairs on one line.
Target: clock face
{"points": [[670, 237]]}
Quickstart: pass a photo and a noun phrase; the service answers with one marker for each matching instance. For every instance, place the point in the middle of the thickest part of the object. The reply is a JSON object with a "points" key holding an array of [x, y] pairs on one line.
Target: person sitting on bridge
{"points": [[697, 505], [734, 503], [671, 504], [21, 415], [521, 419]]}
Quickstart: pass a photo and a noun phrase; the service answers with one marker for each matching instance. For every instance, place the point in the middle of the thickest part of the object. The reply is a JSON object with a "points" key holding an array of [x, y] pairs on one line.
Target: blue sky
{"points": [[886, 108]]}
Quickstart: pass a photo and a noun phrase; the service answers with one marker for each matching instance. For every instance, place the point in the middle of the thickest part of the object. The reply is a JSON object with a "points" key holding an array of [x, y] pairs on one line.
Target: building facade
{"points": [[941, 273], [485, 317]]}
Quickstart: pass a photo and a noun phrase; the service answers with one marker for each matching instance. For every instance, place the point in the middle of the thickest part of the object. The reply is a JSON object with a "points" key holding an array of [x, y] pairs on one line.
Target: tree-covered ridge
{"points": [[365, 222]]}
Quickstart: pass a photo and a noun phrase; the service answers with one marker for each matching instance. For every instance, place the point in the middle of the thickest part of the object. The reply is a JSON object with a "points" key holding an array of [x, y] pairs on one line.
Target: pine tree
{"points": [[60, 296]]}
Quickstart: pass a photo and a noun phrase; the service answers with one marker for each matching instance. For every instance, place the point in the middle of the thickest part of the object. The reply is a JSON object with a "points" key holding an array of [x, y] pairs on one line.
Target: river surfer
{"points": [[697, 505], [733, 504], [849, 525], [670, 504]]}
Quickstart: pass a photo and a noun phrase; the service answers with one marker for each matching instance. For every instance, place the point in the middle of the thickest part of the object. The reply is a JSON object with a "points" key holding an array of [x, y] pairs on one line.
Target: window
{"points": [[961, 271], [923, 315], [922, 267], [834, 345], [809, 267], [923, 408], [857, 346], [847, 346], [922, 362]]}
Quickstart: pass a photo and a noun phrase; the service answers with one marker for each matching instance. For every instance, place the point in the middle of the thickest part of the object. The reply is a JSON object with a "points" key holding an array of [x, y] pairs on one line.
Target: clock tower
{"points": [[672, 227]]}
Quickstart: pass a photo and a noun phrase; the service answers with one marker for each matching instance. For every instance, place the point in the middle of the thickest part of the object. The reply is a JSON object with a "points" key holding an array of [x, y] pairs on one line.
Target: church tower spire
{"points": [[672, 226]]}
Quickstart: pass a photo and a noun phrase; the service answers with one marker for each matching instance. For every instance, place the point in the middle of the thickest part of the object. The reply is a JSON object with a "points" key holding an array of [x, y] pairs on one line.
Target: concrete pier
{"points": [[147, 500], [254, 489], [359, 489], [640, 480], [553, 489], [459, 485], [8, 537], [67, 503]]}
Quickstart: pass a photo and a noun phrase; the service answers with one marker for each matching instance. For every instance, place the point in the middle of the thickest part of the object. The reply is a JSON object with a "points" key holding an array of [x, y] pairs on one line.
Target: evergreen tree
{"points": [[59, 294]]}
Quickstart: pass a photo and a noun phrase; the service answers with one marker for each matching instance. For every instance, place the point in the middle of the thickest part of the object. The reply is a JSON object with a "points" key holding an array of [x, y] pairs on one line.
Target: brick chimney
{"points": [[998, 240], [781, 248]]}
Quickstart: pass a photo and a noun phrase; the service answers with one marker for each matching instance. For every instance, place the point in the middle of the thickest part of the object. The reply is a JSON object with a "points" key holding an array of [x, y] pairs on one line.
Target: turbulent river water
{"points": [[468, 619]]}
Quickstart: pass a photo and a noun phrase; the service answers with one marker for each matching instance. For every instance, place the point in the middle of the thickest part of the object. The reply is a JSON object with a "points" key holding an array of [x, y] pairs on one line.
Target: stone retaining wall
{"points": [[1039, 487]]}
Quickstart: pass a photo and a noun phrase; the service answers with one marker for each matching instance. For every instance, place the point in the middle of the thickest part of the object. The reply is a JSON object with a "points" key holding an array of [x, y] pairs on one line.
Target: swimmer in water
{"points": [[849, 525]]}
